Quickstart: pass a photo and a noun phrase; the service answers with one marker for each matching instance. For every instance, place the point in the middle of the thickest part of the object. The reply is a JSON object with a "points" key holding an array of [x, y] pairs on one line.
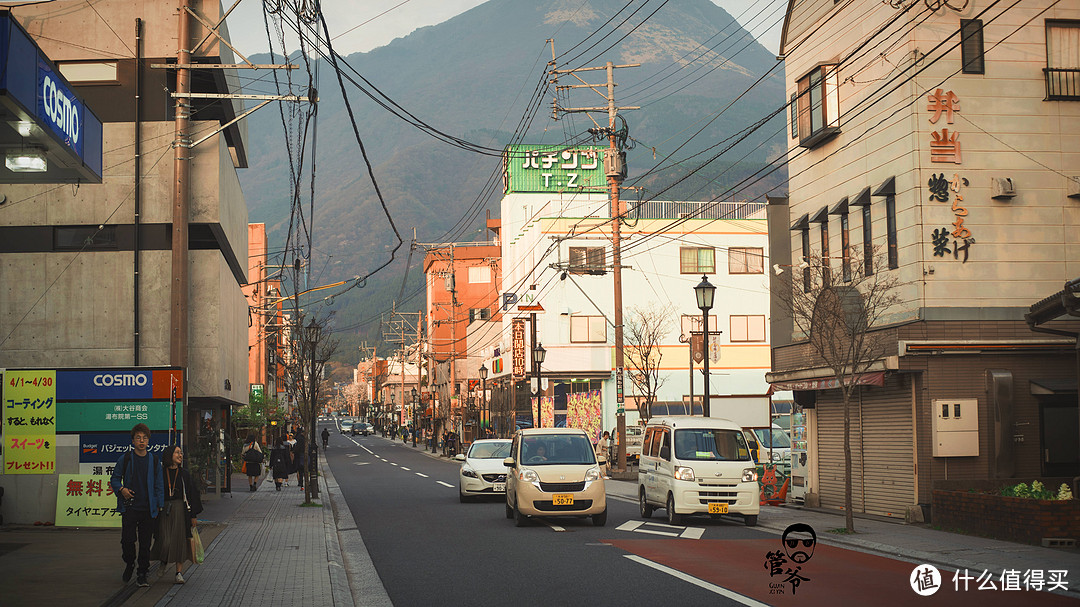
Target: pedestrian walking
{"points": [[182, 506], [325, 438], [299, 456], [281, 462], [139, 487], [601, 451], [253, 457]]}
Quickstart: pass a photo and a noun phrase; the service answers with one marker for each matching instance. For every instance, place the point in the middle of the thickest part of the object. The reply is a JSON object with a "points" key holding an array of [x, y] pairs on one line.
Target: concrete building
{"points": [[947, 139], [88, 281], [557, 270]]}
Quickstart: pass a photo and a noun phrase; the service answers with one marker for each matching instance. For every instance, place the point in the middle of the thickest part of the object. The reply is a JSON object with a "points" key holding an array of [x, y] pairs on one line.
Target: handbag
{"points": [[253, 456], [197, 552]]}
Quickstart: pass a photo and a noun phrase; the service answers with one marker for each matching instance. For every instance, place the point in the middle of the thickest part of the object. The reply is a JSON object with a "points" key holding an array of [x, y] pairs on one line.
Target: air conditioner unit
{"points": [[1073, 186], [1002, 187]]}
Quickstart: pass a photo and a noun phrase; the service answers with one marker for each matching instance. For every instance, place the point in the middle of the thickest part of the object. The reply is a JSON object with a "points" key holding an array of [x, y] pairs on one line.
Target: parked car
{"points": [[482, 469], [553, 472], [346, 426], [695, 465]]}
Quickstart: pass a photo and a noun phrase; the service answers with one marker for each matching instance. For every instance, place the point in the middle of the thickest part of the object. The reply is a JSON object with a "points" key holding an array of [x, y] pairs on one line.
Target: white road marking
{"points": [[391, 463], [366, 449], [553, 526], [724, 592], [690, 533], [404, 468], [361, 463], [444, 484], [354, 455], [423, 475]]}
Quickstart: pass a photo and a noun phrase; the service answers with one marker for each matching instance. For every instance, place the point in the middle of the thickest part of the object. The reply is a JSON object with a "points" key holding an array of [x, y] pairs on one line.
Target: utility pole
{"points": [[178, 317], [615, 169]]}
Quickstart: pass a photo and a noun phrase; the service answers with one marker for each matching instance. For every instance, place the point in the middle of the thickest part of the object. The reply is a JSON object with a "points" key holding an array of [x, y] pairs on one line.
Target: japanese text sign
{"points": [[85, 501], [29, 404]]}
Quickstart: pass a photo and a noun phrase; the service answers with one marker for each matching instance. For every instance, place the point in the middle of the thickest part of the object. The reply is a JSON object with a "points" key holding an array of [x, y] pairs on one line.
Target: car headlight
{"points": [[749, 475], [469, 472], [593, 474], [776, 456], [682, 473], [526, 475]]}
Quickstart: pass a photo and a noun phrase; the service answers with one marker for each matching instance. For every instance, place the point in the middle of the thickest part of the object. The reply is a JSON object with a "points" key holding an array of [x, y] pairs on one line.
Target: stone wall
{"points": [[1013, 519]]}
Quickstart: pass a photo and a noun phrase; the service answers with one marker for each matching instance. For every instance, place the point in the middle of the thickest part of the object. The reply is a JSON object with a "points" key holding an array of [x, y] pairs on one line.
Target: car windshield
{"points": [[490, 450], [711, 445], [557, 449], [776, 439]]}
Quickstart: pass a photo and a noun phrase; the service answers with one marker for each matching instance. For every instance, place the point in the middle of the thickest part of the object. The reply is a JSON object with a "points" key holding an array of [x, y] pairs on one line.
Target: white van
{"points": [[697, 465]]}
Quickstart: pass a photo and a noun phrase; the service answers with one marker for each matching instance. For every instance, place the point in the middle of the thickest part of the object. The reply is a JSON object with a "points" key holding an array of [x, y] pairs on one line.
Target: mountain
{"points": [[472, 77]]}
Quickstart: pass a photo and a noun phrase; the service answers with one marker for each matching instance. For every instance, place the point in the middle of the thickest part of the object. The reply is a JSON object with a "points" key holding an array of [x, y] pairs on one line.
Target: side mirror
{"points": [[665, 453], [460, 457], [508, 462]]}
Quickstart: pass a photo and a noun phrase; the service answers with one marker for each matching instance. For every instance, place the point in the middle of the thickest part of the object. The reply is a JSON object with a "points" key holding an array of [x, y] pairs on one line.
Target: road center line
{"points": [[391, 463], [445, 484], [423, 475], [366, 449], [404, 468], [724, 592]]}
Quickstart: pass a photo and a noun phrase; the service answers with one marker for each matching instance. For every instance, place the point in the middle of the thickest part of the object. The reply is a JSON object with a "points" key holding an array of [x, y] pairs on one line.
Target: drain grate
{"points": [[1058, 542]]}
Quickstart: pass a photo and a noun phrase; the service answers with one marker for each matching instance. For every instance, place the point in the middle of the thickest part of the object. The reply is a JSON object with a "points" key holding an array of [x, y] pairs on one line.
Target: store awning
{"points": [[47, 134], [829, 383], [1046, 387]]}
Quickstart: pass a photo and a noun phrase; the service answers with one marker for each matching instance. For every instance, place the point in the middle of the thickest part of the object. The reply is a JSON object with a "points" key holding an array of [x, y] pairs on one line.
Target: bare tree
{"points": [[311, 347], [646, 327], [835, 305]]}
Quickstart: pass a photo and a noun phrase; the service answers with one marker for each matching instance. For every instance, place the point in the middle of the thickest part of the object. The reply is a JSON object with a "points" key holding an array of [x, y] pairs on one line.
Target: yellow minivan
{"points": [[553, 472], [697, 465]]}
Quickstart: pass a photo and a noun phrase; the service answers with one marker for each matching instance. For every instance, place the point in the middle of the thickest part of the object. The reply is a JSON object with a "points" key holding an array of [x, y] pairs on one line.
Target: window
{"points": [[890, 231], [479, 314], [746, 261], [826, 269], [697, 260], [805, 237], [868, 241], [479, 274], [845, 245], [971, 46], [794, 109], [89, 238], [748, 328], [588, 329], [819, 105], [1062, 60], [587, 260]]}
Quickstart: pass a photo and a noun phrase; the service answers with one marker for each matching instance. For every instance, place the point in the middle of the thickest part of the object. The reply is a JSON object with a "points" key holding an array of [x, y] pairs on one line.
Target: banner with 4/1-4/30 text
{"points": [[29, 404]]}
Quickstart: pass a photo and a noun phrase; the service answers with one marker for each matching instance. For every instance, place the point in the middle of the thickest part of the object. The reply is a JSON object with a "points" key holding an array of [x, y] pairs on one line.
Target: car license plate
{"points": [[717, 508], [499, 487], [562, 499]]}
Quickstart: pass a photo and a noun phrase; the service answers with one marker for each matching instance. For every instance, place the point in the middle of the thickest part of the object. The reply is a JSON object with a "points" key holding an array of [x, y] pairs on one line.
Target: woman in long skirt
{"points": [[253, 470], [280, 461], [182, 506]]}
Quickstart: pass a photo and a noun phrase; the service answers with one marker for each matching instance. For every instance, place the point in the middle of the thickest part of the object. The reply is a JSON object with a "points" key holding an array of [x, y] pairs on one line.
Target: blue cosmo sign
{"points": [[104, 384], [59, 107]]}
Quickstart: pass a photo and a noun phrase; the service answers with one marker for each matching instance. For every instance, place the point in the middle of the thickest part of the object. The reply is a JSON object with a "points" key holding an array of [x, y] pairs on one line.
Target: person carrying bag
{"points": [[253, 457]]}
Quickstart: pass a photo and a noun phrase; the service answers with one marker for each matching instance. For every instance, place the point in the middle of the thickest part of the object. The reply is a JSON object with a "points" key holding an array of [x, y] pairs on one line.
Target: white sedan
{"points": [[482, 470]]}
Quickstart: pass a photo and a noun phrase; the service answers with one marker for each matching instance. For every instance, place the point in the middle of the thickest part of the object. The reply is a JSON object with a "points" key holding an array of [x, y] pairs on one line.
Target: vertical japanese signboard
{"points": [[29, 403], [519, 347]]}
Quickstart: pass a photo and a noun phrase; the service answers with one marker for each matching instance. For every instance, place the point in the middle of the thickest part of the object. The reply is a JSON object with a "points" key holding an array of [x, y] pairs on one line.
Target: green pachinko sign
{"points": [[549, 168]]}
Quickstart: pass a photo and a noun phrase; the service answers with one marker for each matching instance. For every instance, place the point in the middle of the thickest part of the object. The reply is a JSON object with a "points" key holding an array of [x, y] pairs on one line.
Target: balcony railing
{"points": [[1062, 84]]}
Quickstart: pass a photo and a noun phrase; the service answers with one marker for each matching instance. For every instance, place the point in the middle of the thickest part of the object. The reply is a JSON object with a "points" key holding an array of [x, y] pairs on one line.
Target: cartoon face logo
{"points": [[797, 545]]}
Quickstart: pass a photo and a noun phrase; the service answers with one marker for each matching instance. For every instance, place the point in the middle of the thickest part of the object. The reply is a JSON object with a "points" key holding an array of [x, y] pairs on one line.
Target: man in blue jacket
{"points": [[140, 493]]}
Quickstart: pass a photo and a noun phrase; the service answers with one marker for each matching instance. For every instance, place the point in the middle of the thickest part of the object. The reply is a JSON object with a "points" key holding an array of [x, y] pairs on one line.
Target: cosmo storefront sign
{"points": [[97, 404], [59, 108]]}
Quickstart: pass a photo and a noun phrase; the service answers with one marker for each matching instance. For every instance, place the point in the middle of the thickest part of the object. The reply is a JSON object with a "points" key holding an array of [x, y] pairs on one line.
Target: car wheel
{"points": [[644, 507], [520, 519], [750, 520], [673, 519], [509, 511], [599, 520], [462, 497]]}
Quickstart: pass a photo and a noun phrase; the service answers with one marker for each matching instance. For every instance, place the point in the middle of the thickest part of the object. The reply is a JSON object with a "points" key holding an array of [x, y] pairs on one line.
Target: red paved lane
{"points": [[834, 576]]}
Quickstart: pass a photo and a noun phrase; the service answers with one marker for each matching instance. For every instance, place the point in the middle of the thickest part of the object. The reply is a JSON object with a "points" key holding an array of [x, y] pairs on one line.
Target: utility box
{"points": [[955, 431]]}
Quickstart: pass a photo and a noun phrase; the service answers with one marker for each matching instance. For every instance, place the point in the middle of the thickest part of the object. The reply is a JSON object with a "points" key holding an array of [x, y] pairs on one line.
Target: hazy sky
{"points": [[378, 22]]}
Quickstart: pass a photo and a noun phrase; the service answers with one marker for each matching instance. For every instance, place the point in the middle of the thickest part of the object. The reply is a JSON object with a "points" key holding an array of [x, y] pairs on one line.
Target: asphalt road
{"points": [[430, 549]]}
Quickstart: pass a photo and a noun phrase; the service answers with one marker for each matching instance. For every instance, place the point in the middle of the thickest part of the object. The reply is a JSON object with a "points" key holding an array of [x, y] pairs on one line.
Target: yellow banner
{"points": [[84, 500], [29, 404]]}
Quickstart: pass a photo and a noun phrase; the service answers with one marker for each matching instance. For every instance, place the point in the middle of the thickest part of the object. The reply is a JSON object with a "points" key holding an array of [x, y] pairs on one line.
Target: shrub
{"points": [[1037, 491]]}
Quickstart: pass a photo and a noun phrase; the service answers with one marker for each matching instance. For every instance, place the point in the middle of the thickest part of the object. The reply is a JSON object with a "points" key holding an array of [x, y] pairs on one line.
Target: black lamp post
{"points": [[393, 398], [483, 393], [538, 355], [415, 426], [705, 292]]}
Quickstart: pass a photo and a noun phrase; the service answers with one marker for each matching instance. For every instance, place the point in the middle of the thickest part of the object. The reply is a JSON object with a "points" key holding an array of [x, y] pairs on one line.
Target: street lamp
{"points": [[483, 393], [393, 397], [705, 292], [538, 355], [415, 425]]}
